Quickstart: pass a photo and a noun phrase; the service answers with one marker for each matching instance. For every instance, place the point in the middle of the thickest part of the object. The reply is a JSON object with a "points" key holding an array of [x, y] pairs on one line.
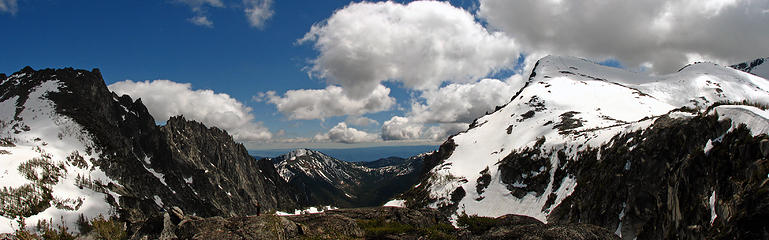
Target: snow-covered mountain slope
{"points": [[521, 158], [69, 146], [758, 67], [330, 181], [47, 168]]}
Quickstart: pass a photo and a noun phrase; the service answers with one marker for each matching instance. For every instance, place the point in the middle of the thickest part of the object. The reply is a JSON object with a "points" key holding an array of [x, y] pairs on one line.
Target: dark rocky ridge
{"points": [[748, 66], [225, 180]]}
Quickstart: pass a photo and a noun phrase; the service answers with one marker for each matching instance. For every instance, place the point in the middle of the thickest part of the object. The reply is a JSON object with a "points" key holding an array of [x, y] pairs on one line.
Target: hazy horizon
{"points": [[362, 154]]}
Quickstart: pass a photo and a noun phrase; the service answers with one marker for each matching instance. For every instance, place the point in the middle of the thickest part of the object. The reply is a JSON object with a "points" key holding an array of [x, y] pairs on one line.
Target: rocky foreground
{"points": [[363, 223]]}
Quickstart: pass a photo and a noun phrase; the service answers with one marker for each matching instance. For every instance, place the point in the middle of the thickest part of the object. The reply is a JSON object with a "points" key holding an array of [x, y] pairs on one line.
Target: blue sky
{"points": [[381, 55], [147, 40]]}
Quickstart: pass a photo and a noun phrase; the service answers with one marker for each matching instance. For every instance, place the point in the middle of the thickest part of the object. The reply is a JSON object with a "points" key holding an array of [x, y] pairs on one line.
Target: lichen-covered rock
{"points": [[252, 227]]}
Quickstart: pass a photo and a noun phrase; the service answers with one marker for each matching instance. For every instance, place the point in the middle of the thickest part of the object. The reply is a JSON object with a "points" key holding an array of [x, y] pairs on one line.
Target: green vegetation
{"points": [[476, 224], [103, 228], [47, 231], [41, 170], [44, 230], [379, 228], [108, 229], [31, 198], [24, 201], [75, 159]]}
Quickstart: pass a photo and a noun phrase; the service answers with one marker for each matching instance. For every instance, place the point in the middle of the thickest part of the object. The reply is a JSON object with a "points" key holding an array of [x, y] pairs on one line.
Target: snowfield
{"points": [[575, 104], [38, 132]]}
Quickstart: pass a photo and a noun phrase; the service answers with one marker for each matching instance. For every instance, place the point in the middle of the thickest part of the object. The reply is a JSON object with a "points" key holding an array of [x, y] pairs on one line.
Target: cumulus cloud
{"points": [[344, 134], [421, 44], [165, 98], [658, 34], [328, 102], [444, 130], [450, 109], [462, 103], [201, 21], [401, 128], [9, 6], [258, 11]]}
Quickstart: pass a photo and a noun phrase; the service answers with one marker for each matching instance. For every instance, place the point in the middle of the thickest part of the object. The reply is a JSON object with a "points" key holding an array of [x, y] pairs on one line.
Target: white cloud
{"points": [[444, 130], [165, 98], [462, 103], [9, 6], [360, 121], [328, 102], [452, 108], [258, 11], [662, 34], [198, 5], [201, 21], [344, 134], [421, 44], [401, 128]]}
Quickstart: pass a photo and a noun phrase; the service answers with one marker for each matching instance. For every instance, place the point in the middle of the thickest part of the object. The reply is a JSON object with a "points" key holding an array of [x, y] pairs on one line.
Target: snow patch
{"points": [[310, 210], [395, 203], [712, 203], [755, 119], [44, 134], [708, 146], [158, 201]]}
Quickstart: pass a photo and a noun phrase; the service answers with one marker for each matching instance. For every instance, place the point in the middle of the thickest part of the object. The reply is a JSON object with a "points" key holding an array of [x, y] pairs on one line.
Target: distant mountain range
{"points": [[329, 181], [363, 154]]}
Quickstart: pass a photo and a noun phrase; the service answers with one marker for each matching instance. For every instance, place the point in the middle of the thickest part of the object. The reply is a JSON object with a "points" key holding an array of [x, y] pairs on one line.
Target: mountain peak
{"points": [[103, 150], [529, 156]]}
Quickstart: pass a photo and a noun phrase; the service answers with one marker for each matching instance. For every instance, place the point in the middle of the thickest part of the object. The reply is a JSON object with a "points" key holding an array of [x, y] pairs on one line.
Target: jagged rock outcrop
{"points": [[96, 145], [328, 181]]}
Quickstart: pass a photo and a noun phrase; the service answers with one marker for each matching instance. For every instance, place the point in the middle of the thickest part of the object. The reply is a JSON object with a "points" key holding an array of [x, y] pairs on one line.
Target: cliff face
{"points": [[105, 150], [674, 182], [217, 169]]}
